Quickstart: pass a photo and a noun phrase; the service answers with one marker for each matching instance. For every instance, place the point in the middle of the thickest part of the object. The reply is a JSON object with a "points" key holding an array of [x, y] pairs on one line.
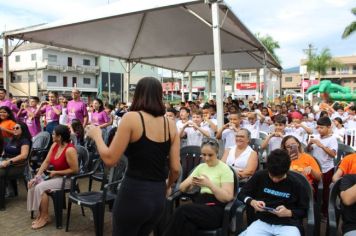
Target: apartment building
{"points": [[36, 69], [345, 76]]}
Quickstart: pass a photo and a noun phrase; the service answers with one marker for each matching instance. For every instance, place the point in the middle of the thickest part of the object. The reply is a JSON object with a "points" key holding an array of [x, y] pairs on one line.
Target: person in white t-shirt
{"points": [[297, 128], [338, 129], [273, 141], [228, 131], [193, 130], [267, 121], [252, 124], [324, 148], [208, 121], [350, 121], [184, 113]]}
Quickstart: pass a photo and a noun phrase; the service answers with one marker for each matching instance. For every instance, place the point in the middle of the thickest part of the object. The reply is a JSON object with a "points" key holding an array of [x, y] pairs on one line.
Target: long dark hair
{"points": [[64, 132], [25, 134], [9, 113], [78, 130], [148, 97], [101, 104]]}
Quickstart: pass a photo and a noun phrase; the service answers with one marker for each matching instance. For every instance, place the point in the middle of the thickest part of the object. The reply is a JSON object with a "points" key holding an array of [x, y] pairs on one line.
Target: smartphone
{"points": [[269, 209], [293, 150]]}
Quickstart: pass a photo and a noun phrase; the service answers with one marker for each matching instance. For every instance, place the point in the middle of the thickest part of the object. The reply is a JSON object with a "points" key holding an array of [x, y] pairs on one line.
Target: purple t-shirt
{"points": [[50, 114], [9, 104], [76, 110], [99, 118], [32, 121]]}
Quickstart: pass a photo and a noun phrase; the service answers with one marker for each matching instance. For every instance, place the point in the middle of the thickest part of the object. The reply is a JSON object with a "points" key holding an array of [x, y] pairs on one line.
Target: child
{"points": [[252, 124], [274, 140], [171, 114], [323, 147], [298, 128], [267, 122], [228, 131], [338, 129], [193, 130], [208, 121], [184, 113], [29, 114]]}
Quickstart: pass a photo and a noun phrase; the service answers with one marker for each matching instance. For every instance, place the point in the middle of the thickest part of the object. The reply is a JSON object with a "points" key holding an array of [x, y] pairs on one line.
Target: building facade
{"points": [[36, 69]]}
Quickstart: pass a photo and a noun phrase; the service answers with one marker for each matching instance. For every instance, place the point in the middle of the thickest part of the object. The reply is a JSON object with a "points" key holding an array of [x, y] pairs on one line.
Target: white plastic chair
{"points": [[350, 138]]}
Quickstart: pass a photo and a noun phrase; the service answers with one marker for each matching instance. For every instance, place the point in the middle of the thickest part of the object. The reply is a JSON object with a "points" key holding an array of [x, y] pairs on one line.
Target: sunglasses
{"points": [[16, 128]]}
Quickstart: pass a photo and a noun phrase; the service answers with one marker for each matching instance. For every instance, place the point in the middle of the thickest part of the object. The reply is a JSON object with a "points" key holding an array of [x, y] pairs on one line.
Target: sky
{"points": [[294, 24]]}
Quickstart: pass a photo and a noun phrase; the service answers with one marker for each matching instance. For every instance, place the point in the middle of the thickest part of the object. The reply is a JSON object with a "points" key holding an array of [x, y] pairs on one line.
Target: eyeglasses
{"points": [[16, 128]]}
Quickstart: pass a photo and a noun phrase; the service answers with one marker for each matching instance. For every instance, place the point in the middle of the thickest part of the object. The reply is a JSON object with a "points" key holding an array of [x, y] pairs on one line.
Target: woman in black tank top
{"points": [[151, 145]]}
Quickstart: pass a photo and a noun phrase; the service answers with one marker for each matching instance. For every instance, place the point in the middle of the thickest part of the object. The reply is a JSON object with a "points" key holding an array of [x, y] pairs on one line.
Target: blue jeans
{"points": [[260, 228]]}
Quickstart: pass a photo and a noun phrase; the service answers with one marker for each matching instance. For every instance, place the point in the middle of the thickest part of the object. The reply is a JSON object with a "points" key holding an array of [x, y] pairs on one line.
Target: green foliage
{"points": [[320, 62], [270, 44], [351, 28]]}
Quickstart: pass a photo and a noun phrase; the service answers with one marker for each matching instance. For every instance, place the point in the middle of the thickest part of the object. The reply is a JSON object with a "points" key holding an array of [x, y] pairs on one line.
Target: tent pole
{"points": [[190, 86], [209, 84], [265, 87], [217, 62], [182, 87], [6, 63], [258, 85], [127, 81]]}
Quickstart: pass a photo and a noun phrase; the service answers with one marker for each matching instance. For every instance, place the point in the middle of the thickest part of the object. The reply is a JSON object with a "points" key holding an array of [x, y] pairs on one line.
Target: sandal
{"points": [[39, 226]]}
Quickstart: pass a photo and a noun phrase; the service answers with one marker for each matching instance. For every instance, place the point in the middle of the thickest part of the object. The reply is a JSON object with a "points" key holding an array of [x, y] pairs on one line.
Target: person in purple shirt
{"points": [[99, 117], [7, 102], [76, 109], [52, 111], [31, 119]]}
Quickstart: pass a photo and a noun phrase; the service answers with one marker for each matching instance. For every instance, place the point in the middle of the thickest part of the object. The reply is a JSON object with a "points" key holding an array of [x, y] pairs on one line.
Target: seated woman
{"points": [[15, 154], [242, 158], [63, 157], [7, 123], [217, 188], [300, 161]]}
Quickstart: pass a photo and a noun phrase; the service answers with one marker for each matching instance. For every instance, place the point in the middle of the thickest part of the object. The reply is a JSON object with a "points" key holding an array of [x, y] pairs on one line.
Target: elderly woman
{"points": [[216, 181], [300, 161], [63, 157], [241, 157]]}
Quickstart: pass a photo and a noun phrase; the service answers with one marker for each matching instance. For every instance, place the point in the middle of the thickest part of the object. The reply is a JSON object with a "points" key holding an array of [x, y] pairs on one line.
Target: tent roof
{"points": [[172, 34]]}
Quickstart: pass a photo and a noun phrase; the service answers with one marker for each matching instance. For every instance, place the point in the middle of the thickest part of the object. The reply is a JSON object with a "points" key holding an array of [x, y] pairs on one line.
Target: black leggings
{"points": [[205, 213], [138, 207]]}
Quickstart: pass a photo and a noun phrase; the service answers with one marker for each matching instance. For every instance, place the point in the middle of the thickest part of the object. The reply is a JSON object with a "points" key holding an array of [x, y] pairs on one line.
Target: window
{"points": [[245, 77], [86, 81], [17, 58], [18, 78], [347, 81], [70, 61], [31, 77], [33, 57], [86, 62], [52, 79], [288, 79], [52, 58], [74, 82]]}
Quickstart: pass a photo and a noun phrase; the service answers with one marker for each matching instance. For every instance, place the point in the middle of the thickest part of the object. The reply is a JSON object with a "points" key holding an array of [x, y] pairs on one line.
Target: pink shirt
{"points": [[50, 114], [32, 121], [76, 110], [9, 104], [99, 118]]}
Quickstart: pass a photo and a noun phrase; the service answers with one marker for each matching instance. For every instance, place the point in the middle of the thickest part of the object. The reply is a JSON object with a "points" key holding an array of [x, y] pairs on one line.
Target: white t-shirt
{"points": [[274, 143], [350, 124], [240, 162], [206, 124], [339, 133], [194, 137], [299, 133], [254, 129], [228, 138], [326, 161], [265, 126], [63, 117]]}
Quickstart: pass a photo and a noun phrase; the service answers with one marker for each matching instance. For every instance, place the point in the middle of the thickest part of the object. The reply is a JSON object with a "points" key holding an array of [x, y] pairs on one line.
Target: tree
{"points": [[319, 63], [351, 28], [270, 44]]}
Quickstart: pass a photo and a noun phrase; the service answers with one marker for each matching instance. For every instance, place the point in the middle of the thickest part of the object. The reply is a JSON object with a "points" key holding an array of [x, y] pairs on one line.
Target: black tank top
{"points": [[147, 159]]}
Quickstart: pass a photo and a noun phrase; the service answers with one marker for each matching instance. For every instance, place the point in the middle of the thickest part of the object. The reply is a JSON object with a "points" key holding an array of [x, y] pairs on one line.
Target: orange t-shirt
{"points": [[7, 124], [348, 164], [303, 161]]}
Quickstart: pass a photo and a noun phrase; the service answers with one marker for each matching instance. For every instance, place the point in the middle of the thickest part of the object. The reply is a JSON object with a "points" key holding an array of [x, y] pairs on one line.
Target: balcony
{"points": [[88, 70]]}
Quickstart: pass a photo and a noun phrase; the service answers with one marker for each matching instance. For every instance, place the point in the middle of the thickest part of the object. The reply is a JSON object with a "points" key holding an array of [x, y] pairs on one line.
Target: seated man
{"points": [[347, 167], [348, 206], [278, 198]]}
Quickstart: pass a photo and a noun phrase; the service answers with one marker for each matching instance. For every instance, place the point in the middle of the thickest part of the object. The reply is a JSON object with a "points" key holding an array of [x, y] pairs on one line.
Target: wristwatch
{"points": [[11, 162]]}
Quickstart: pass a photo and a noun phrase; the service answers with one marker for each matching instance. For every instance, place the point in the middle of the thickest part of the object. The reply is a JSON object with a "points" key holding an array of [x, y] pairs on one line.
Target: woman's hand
{"points": [[93, 131], [202, 181], [52, 173], [5, 163], [307, 170]]}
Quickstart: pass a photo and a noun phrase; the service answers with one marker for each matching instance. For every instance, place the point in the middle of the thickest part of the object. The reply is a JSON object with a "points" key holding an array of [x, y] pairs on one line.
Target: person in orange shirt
{"points": [[7, 123], [300, 161], [347, 167]]}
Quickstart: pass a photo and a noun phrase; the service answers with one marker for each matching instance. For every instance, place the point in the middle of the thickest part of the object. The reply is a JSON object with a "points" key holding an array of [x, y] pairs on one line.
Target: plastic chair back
{"points": [[83, 159], [189, 158], [334, 209]]}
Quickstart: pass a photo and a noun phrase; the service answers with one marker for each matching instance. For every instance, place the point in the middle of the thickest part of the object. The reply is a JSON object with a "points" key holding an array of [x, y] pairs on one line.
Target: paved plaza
{"points": [[16, 221]]}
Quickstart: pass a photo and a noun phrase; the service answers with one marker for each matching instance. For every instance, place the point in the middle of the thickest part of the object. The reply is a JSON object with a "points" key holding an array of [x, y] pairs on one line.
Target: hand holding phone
{"points": [[269, 209], [293, 151]]}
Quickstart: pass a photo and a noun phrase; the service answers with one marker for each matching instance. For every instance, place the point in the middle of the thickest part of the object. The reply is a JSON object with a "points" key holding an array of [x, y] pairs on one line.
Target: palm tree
{"points": [[319, 63], [351, 28], [270, 45]]}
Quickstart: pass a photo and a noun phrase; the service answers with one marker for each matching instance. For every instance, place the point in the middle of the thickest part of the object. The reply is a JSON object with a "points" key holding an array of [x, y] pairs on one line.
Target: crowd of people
{"points": [[300, 138]]}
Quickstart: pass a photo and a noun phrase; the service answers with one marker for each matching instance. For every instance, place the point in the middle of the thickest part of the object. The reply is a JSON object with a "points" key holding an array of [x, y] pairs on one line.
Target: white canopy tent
{"points": [[182, 35]]}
